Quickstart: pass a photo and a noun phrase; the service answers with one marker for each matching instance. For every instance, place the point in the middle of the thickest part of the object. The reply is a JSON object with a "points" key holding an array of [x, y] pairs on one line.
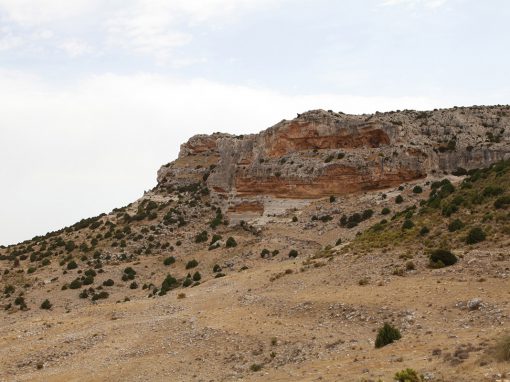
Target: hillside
{"points": [[278, 256]]}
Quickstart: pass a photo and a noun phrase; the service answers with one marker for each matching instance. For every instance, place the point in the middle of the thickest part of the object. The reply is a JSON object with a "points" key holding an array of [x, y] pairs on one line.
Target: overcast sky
{"points": [[95, 95]]}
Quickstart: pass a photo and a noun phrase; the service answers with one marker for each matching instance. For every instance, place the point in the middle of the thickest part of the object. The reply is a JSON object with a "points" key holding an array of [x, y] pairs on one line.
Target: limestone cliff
{"points": [[322, 153]]}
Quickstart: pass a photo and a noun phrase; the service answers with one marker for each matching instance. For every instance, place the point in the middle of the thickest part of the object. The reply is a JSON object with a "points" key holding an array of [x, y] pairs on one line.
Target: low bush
{"points": [[108, 282], [191, 264], [197, 276], [417, 189], [475, 235], [502, 202], [424, 230], [46, 304], [455, 225], [399, 199], [441, 258], [231, 242], [100, 296], [407, 375], [387, 335], [385, 211], [75, 284], [293, 253], [168, 283], [201, 237], [408, 224], [169, 260], [72, 265]]}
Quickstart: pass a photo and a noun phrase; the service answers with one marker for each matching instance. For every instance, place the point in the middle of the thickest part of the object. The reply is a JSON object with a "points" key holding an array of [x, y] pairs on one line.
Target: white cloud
{"points": [[150, 27], [75, 48], [8, 40], [157, 26], [97, 144], [38, 12], [414, 3]]}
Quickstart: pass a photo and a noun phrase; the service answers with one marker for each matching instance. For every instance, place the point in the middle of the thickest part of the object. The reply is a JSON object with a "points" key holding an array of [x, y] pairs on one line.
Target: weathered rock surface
{"points": [[322, 153]]}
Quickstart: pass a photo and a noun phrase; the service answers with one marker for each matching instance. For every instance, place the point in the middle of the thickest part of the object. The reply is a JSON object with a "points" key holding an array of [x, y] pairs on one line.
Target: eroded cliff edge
{"points": [[322, 153]]}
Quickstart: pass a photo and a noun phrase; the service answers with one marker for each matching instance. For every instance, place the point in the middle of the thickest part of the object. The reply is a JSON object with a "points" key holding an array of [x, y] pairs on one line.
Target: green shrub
{"points": [[133, 285], [294, 219], [256, 367], [455, 225], [90, 272], [75, 284], [191, 264], [386, 335], [231, 242], [385, 211], [70, 246], [408, 224], [46, 304], [88, 280], [128, 274], [215, 238], [449, 209], [216, 268], [417, 189], [424, 230], [399, 199], [442, 257], [84, 294], [169, 260], [492, 191], [293, 253], [367, 214], [72, 265], [108, 282], [502, 202], [201, 237], [332, 199], [100, 296], [407, 375], [197, 276], [475, 235], [168, 283], [187, 282], [19, 301]]}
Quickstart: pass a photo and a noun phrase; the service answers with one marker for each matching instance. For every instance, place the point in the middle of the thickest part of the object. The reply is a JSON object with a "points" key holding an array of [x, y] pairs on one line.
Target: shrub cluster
{"points": [[355, 219]]}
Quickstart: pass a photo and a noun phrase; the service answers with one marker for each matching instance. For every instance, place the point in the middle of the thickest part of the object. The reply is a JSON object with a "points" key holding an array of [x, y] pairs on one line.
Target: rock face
{"points": [[322, 153]]}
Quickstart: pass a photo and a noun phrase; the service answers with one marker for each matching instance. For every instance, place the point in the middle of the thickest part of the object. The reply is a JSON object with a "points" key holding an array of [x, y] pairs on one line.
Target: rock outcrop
{"points": [[323, 153]]}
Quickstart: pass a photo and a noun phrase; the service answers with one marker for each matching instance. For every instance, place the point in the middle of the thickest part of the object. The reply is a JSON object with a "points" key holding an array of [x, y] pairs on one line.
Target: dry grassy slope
{"points": [[309, 318]]}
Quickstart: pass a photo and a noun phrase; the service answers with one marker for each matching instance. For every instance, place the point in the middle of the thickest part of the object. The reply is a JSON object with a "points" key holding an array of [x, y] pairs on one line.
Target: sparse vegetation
{"points": [[407, 375], [46, 304], [293, 253], [442, 258], [169, 260], [387, 335], [191, 264], [475, 235]]}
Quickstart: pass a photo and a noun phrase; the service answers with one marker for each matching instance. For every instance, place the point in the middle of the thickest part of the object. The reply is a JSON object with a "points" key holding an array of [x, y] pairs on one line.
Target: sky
{"points": [[96, 95]]}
